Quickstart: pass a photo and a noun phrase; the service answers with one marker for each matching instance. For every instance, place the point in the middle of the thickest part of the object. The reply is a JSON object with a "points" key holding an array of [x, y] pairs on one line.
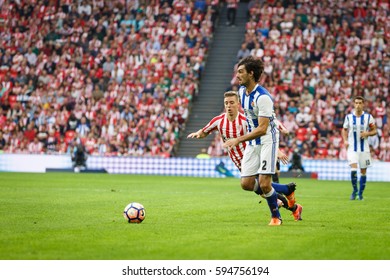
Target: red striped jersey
{"points": [[230, 129]]}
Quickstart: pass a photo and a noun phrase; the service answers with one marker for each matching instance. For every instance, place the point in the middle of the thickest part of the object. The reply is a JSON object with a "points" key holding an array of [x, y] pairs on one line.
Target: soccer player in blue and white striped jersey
{"points": [[358, 126], [260, 155]]}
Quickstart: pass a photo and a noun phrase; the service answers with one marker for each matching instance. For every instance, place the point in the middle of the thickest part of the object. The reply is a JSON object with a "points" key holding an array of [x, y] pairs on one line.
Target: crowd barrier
{"points": [[325, 169]]}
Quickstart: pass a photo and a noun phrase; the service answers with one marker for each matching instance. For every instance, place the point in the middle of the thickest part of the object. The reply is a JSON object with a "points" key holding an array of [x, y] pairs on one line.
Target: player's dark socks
{"points": [[363, 180], [281, 188], [275, 178], [292, 209], [354, 180], [285, 203], [284, 200], [272, 201]]}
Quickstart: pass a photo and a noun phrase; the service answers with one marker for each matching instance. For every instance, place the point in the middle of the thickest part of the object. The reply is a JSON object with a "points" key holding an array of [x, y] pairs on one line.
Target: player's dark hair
{"points": [[359, 97], [254, 65]]}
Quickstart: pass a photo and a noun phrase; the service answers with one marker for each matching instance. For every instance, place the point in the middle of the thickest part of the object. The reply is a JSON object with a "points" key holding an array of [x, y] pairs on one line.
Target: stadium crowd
{"points": [[117, 76], [318, 55]]}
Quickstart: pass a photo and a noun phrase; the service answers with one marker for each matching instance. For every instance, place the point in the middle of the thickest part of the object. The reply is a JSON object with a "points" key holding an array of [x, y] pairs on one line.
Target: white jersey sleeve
{"points": [[265, 104]]}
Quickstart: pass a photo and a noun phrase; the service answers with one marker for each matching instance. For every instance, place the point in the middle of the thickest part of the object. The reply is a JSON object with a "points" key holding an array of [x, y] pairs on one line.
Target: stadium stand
{"points": [[116, 76], [319, 54], [131, 70]]}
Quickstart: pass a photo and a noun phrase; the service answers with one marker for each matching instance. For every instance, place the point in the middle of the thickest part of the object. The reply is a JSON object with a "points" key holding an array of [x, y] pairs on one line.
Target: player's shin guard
{"points": [[363, 180], [272, 200]]}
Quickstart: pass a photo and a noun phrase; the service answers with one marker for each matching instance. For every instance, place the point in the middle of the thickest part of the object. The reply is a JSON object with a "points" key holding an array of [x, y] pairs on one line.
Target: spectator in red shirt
{"points": [[31, 131], [301, 134]]}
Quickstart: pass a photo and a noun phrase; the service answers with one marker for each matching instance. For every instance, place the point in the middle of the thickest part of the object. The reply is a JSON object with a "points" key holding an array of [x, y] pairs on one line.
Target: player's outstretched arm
{"points": [[199, 134]]}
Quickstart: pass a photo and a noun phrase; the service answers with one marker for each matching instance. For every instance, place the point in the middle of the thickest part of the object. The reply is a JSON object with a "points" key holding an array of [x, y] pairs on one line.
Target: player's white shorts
{"points": [[363, 159], [259, 159]]}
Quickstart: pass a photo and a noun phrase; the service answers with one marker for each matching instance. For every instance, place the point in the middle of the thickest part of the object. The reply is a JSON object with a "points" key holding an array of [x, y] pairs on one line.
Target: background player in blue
{"points": [[260, 154], [358, 125]]}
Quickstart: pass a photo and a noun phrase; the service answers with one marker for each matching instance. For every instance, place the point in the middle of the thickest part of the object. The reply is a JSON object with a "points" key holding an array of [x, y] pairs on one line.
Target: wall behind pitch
{"points": [[326, 169]]}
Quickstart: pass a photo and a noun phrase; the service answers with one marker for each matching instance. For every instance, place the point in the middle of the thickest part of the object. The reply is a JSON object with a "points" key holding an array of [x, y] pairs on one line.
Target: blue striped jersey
{"points": [[355, 126], [257, 104]]}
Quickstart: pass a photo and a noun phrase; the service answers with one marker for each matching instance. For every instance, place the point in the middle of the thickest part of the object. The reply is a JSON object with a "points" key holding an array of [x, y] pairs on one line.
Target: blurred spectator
{"points": [[303, 117], [232, 6], [35, 147], [296, 161], [243, 52], [79, 157], [2, 141], [83, 127], [306, 98]]}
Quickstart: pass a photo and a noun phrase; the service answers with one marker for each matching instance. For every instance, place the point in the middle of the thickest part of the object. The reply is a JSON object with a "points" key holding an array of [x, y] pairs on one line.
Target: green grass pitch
{"points": [[79, 216]]}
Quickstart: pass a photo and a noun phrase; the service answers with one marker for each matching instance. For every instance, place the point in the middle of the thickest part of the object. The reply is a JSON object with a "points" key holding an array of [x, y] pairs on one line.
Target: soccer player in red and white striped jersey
{"points": [[232, 124]]}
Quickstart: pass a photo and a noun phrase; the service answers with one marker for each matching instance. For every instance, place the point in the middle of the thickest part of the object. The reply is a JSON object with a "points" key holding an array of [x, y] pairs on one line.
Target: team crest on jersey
{"points": [[253, 104]]}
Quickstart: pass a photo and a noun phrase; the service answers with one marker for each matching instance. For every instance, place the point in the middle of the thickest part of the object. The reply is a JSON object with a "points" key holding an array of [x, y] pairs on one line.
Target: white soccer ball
{"points": [[134, 212]]}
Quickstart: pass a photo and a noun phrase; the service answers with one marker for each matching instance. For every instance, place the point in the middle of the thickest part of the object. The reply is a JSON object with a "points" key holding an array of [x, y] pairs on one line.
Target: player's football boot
{"points": [[291, 197], [360, 197], [297, 213], [353, 196], [275, 222]]}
